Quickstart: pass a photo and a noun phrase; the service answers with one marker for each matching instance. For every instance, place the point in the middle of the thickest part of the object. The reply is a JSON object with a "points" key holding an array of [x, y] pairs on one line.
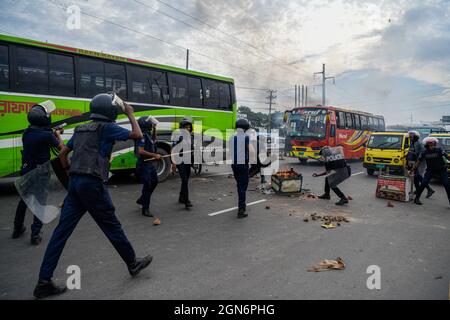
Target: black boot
{"points": [[146, 212], [139, 201], [36, 239], [18, 232], [430, 193], [188, 204], [139, 264], [325, 196], [342, 201], [417, 201], [47, 288], [241, 213]]}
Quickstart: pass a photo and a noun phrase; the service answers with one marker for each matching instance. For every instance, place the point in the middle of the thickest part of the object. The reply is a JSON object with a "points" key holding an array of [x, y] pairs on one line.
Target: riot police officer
{"points": [[146, 153], [91, 144], [415, 150], [37, 141], [241, 150], [184, 166], [434, 157]]}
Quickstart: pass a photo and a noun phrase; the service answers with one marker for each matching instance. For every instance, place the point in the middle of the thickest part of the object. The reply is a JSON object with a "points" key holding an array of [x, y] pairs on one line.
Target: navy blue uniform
{"points": [[36, 150], [146, 171], [435, 167], [240, 165], [184, 169], [89, 193]]}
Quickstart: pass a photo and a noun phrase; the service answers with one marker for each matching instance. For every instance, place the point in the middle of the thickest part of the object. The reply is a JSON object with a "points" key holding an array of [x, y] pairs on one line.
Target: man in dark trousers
{"points": [[434, 157], [335, 163], [241, 151], [183, 166], [91, 144], [415, 150], [146, 153], [37, 141]]}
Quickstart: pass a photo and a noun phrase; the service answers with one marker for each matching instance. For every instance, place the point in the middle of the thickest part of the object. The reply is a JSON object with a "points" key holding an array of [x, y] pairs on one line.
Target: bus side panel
{"points": [[13, 121], [353, 142]]}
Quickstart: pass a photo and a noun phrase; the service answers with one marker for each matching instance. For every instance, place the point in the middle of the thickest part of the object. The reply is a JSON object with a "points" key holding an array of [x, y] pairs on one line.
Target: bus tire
{"points": [[303, 161], [370, 172], [162, 166]]}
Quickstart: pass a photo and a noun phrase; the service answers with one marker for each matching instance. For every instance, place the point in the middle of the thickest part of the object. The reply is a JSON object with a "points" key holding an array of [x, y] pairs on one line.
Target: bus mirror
{"points": [[286, 116]]}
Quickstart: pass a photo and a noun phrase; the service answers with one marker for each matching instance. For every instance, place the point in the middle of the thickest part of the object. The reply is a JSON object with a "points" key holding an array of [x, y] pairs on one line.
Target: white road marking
{"points": [[235, 208], [357, 174], [217, 174]]}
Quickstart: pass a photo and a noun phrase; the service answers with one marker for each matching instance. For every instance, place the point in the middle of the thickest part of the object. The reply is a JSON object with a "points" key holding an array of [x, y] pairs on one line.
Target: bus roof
{"points": [[107, 56], [339, 109]]}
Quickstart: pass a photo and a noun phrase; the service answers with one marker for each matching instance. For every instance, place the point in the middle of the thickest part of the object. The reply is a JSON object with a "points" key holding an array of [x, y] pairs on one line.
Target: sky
{"points": [[388, 57]]}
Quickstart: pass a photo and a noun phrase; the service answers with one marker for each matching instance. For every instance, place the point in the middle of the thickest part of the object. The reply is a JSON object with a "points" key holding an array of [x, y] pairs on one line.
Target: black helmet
{"points": [[242, 124], [102, 107], [38, 116], [185, 122], [144, 124]]}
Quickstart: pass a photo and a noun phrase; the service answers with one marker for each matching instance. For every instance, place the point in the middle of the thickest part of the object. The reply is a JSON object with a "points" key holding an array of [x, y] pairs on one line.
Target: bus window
{"points": [[233, 94], [357, 122], [61, 75], [139, 84], [92, 77], [4, 67], [160, 87], [115, 79], [333, 131], [225, 99], [341, 120], [349, 121], [364, 123], [195, 92], [212, 94], [31, 70], [179, 94], [383, 126]]}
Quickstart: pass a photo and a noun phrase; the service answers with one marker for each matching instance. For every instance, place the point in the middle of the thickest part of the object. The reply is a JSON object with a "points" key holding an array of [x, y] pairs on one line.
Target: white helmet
{"points": [[430, 140]]}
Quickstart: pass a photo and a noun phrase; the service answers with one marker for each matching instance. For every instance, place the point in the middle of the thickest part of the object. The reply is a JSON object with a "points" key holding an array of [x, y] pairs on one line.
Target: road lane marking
{"points": [[357, 174], [235, 208], [217, 174]]}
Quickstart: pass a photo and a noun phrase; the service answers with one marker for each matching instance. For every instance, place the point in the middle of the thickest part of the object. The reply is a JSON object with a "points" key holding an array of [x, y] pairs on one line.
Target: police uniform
{"points": [[37, 142], [184, 170], [435, 167], [92, 145], [146, 171], [240, 144], [341, 172], [415, 149]]}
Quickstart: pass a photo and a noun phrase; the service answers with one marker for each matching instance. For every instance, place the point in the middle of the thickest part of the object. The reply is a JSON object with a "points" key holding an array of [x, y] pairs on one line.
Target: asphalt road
{"points": [[266, 256]]}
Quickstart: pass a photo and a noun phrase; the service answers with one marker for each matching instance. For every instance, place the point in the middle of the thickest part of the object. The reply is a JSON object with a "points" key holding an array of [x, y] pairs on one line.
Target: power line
{"points": [[235, 38], [165, 42]]}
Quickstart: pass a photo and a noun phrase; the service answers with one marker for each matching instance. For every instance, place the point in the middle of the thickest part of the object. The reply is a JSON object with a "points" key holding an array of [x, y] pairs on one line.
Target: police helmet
{"points": [[429, 141], [242, 124], [185, 122], [39, 116], [325, 151], [102, 107], [414, 133]]}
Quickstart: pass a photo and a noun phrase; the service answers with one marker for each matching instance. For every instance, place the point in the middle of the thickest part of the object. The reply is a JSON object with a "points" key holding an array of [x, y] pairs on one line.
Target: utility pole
{"points": [[324, 79], [295, 105], [303, 95], [306, 96], [271, 102], [187, 59]]}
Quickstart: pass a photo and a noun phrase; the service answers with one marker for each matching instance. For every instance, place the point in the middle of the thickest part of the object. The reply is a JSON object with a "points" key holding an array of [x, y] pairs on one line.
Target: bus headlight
{"points": [[369, 159], [396, 161]]}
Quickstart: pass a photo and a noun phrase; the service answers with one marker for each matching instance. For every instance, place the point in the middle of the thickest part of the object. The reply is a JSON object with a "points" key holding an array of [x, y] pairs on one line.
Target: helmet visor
{"points": [[49, 106]]}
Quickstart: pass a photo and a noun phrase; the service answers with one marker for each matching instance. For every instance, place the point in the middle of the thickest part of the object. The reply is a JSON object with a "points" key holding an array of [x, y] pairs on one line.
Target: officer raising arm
{"points": [[37, 141], [434, 157], [92, 144]]}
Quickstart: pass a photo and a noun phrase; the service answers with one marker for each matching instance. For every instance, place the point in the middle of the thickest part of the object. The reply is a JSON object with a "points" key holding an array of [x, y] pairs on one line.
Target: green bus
{"points": [[33, 71]]}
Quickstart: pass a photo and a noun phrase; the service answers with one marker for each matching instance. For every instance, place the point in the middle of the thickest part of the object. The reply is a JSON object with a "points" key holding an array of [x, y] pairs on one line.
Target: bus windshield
{"points": [[308, 123], [385, 142]]}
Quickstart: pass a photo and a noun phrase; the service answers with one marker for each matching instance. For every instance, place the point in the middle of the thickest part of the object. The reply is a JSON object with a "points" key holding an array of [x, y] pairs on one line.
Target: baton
{"points": [[169, 155]]}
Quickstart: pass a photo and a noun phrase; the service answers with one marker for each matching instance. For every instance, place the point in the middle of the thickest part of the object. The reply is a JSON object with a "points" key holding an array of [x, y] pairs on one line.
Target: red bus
{"points": [[311, 128]]}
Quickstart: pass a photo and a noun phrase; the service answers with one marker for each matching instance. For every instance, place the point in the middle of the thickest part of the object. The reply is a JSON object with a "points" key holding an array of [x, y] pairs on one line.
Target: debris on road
{"points": [[305, 218], [327, 219], [349, 198], [328, 226], [390, 204], [267, 207], [156, 222], [327, 265]]}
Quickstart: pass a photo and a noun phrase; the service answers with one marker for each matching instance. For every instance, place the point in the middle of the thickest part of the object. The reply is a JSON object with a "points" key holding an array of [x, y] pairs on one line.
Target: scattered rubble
{"points": [[156, 222], [390, 204], [327, 265]]}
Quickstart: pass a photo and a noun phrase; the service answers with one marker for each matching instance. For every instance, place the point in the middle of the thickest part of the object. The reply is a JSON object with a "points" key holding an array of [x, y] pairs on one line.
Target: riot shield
{"points": [[43, 190], [333, 153]]}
